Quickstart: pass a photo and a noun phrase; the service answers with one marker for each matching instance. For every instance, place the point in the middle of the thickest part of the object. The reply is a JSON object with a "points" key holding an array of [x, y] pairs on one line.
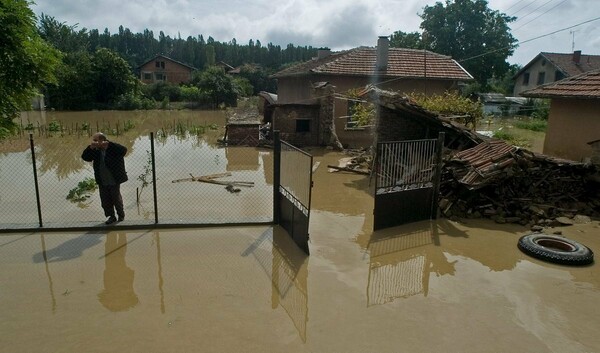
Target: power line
{"points": [[532, 39], [534, 10], [515, 4], [523, 8], [557, 5]]}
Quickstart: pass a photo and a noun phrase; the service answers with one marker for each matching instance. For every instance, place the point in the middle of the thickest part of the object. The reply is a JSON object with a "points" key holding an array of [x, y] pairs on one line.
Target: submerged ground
{"points": [[437, 286]]}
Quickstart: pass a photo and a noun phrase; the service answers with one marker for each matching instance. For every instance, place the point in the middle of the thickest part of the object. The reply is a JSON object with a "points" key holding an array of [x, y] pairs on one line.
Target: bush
{"points": [[159, 90], [132, 101], [451, 104]]}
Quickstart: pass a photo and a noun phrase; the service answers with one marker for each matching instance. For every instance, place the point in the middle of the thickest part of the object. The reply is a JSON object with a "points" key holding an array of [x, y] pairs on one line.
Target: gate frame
{"points": [[294, 221], [426, 199]]}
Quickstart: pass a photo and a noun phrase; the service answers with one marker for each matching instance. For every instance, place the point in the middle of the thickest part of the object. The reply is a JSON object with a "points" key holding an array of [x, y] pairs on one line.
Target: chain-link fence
{"points": [[173, 179]]}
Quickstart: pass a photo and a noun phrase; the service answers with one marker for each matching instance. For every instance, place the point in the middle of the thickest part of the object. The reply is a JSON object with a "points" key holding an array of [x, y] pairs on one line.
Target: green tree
{"points": [[27, 62], [505, 84], [74, 89], [410, 40], [468, 30], [111, 75], [217, 86]]}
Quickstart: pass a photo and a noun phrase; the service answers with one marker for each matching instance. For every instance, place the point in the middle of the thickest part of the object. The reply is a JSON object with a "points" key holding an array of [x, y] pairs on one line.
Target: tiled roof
{"points": [[167, 58], [586, 85], [569, 67], [409, 63], [564, 62]]}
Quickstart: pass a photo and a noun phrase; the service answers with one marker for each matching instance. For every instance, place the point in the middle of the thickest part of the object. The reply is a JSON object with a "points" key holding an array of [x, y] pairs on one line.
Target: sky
{"points": [[337, 24]]}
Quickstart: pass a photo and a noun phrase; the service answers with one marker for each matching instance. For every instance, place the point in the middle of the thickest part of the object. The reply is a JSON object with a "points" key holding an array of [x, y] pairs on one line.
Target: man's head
{"points": [[98, 137]]}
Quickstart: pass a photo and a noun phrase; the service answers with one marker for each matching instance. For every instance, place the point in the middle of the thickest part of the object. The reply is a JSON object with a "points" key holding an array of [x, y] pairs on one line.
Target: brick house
{"points": [[574, 122], [395, 69], [162, 68], [551, 67]]}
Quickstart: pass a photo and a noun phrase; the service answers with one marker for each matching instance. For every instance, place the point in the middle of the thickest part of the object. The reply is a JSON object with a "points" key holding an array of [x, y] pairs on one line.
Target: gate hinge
{"points": [[312, 183]]}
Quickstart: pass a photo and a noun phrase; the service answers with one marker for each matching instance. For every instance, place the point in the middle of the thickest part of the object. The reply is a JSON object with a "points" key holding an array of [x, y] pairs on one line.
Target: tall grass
{"points": [[533, 125]]}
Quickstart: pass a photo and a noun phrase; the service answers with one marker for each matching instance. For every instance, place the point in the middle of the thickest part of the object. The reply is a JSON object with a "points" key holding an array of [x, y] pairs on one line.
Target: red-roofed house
{"points": [[574, 121], [551, 67], [393, 69], [162, 68]]}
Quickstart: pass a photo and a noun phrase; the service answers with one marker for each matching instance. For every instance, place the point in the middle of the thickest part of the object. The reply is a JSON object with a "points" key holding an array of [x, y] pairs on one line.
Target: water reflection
{"points": [[287, 266], [290, 280], [118, 293], [242, 158], [402, 260], [69, 250]]}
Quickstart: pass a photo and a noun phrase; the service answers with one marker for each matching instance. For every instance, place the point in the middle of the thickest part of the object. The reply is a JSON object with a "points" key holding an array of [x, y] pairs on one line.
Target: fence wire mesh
{"points": [[198, 181]]}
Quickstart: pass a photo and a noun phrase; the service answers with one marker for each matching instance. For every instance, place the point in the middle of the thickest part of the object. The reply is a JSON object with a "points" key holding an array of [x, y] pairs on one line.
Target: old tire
{"points": [[556, 249]]}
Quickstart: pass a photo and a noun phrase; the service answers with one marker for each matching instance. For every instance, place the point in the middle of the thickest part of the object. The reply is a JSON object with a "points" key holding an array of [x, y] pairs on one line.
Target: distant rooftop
{"points": [[402, 62]]}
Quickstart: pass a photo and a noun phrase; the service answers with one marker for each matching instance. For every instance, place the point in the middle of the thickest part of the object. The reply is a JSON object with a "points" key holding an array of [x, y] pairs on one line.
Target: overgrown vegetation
{"points": [[466, 111], [532, 124], [362, 113], [83, 190], [511, 139]]}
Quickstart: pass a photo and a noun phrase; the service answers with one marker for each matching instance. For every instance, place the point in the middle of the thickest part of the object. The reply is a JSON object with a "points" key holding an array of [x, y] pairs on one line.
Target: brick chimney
{"points": [[577, 56], [383, 44], [323, 53]]}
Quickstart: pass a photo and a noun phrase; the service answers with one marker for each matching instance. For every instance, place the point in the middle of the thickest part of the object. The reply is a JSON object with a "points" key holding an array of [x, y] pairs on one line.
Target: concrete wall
{"points": [[175, 72], [571, 125], [541, 65]]}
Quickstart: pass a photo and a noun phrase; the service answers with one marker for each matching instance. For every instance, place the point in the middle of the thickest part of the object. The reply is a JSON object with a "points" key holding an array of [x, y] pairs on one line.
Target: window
{"points": [[147, 75], [350, 122], [303, 125], [160, 64], [526, 79], [160, 77], [541, 78], [544, 62], [157, 63], [558, 75]]}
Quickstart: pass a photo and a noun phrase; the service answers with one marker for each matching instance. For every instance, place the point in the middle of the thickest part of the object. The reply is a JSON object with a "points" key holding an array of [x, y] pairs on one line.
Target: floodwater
{"points": [[185, 145], [438, 286]]}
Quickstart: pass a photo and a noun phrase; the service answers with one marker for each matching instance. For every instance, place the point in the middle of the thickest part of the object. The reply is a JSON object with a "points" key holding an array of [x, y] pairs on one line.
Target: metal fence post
{"points": [[438, 175], [276, 176], [154, 178], [35, 178]]}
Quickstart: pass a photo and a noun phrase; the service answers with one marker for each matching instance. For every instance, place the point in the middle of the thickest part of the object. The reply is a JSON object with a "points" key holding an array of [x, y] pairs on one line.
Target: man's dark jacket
{"points": [[113, 160]]}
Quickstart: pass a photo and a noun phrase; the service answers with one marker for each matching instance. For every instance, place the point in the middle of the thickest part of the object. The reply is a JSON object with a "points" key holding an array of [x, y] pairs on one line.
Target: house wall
{"points": [[285, 120], [540, 65], [571, 125], [299, 90], [176, 73]]}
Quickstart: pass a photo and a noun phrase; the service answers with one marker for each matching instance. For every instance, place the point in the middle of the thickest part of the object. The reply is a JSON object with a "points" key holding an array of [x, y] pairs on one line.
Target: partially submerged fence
{"points": [[173, 181]]}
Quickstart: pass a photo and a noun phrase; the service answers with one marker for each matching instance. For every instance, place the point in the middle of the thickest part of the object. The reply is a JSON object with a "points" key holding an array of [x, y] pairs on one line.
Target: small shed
{"points": [[243, 129]]}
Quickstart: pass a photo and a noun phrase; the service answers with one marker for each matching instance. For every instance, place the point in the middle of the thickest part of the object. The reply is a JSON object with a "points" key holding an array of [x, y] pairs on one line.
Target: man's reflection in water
{"points": [[118, 293]]}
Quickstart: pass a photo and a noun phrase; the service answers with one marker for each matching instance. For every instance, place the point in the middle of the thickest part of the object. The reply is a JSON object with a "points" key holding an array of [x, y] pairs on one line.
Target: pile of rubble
{"points": [[513, 185]]}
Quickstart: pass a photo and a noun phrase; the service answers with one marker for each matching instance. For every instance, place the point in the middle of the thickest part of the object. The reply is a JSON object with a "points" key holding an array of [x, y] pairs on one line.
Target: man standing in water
{"points": [[109, 172]]}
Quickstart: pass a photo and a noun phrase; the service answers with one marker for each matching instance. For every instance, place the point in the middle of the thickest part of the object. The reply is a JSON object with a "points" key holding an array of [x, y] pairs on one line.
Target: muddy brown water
{"points": [[432, 286]]}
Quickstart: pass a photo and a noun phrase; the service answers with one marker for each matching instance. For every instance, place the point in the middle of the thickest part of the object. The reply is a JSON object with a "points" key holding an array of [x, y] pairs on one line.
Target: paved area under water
{"points": [[437, 286]]}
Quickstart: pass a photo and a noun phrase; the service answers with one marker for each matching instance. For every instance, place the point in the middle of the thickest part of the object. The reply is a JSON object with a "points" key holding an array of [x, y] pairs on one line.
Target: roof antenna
{"points": [[572, 33]]}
